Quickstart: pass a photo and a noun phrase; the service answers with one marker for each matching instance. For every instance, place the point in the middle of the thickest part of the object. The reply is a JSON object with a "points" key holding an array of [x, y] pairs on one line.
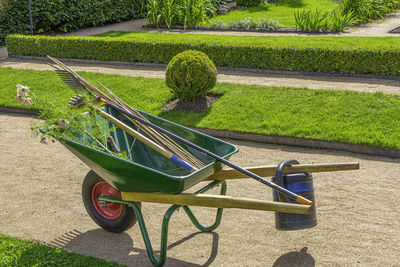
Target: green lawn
{"points": [[19, 253], [343, 116], [273, 41], [281, 11]]}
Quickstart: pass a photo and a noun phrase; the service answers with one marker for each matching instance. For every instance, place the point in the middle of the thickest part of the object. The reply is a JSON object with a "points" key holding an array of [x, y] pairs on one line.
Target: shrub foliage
{"points": [[62, 15], [368, 10], [383, 61], [249, 3], [180, 12], [190, 75]]}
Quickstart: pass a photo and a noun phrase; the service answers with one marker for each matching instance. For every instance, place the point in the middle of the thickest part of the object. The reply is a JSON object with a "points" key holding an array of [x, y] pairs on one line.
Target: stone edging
{"points": [[277, 140], [19, 111], [302, 142]]}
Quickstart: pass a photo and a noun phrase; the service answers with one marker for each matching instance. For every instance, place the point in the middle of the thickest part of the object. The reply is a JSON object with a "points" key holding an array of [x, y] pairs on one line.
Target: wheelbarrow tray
{"points": [[147, 170]]}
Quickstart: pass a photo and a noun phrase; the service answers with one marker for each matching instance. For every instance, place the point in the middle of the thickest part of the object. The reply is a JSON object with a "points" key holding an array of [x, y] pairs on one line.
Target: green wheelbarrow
{"points": [[115, 188]]}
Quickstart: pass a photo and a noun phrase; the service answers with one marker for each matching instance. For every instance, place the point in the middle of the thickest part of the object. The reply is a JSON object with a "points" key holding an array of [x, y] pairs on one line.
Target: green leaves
{"points": [[191, 75], [316, 21], [248, 24], [63, 16], [368, 10], [18, 253], [180, 12], [372, 55]]}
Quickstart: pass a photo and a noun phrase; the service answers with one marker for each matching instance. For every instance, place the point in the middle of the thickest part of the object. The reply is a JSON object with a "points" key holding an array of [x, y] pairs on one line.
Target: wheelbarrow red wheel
{"points": [[113, 217]]}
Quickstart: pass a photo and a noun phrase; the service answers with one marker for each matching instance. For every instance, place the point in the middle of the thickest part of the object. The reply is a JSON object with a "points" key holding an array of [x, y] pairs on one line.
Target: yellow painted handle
{"points": [[304, 201]]}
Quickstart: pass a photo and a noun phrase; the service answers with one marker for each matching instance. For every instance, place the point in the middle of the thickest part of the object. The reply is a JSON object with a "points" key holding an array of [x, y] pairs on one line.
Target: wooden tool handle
{"points": [[266, 171]]}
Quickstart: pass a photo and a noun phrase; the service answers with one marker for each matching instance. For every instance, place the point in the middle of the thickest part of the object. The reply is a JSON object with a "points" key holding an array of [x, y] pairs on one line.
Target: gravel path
{"points": [[358, 211], [379, 28], [314, 81], [359, 222]]}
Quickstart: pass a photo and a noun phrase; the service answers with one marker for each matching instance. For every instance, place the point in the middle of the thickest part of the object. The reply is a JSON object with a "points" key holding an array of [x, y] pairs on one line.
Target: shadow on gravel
{"points": [[121, 248], [295, 258], [389, 80]]}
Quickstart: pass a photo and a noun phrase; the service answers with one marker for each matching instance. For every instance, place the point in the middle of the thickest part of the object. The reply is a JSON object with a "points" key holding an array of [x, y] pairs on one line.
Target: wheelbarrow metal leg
{"points": [[193, 218], [166, 219]]}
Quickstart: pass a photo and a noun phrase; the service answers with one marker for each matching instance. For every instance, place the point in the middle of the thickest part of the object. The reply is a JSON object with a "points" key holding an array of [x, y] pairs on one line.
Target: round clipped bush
{"points": [[190, 75]]}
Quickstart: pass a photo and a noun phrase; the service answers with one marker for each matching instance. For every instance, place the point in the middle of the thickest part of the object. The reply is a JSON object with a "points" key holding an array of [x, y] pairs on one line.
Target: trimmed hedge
{"points": [[228, 54], [64, 16]]}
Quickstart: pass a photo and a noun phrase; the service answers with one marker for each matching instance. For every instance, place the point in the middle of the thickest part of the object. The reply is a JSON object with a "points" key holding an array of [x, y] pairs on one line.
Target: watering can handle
{"points": [[279, 172]]}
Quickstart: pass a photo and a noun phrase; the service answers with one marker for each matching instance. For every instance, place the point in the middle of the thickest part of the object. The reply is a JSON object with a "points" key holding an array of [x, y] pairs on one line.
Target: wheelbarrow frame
{"points": [[184, 200], [171, 192]]}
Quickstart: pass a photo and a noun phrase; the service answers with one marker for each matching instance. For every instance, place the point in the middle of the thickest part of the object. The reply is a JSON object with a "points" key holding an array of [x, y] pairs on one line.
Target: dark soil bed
{"points": [[198, 106]]}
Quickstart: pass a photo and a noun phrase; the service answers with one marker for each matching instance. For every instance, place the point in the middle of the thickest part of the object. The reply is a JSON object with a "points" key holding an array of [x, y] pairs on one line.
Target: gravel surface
{"points": [[378, 28], [358, 211], [314, 81]]}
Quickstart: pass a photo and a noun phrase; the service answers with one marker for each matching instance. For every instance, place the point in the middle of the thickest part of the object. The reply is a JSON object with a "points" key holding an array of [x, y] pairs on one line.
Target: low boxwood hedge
{"points": [[382, 61]]}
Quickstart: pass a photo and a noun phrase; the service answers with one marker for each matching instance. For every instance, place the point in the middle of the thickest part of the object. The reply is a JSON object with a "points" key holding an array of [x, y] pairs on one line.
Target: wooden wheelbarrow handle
{"points": [[265, 171]]}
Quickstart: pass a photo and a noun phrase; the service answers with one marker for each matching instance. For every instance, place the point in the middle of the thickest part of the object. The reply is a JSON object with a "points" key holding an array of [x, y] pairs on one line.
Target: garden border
{"points": [[160, 66], [205, 29], [260, 138], [331, 60]]}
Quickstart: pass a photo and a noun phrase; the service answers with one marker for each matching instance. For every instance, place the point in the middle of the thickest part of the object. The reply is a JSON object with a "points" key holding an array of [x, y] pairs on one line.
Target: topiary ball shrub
{"points": [[190, 75]]}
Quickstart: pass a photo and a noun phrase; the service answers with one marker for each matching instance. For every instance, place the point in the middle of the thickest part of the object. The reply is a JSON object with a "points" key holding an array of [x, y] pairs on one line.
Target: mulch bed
{"points": [[199, 106]]}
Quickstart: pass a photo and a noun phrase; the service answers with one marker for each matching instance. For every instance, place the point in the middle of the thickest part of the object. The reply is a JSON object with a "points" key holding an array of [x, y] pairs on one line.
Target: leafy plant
{"points": [[316, 21], [340, 21], [197, 12], [248, 24], [63, 16], [368, 10], [218, 24], [168, 12], [312, 20], [153, 13], [190, 75], [181, 12], [63, 122]]}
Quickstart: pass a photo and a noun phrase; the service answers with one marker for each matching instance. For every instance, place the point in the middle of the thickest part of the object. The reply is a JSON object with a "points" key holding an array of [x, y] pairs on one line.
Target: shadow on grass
{"points": [[290, 3], [189, 119], [111, 34], [122, 249], [254, 9], [301, 258]]}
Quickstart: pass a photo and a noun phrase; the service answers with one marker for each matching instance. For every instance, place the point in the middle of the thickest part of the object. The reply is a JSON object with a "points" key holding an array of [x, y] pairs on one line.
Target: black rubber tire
{"points": [[125, 221]]}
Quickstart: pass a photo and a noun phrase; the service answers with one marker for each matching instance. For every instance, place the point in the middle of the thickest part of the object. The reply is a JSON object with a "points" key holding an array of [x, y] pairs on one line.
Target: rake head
{"points": [[71, 81]]}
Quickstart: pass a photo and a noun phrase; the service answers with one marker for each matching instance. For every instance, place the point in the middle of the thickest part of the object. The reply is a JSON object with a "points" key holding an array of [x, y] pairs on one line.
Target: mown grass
{"points": [[19, 253], [281, 11], [350, 42], [342, 116]]}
